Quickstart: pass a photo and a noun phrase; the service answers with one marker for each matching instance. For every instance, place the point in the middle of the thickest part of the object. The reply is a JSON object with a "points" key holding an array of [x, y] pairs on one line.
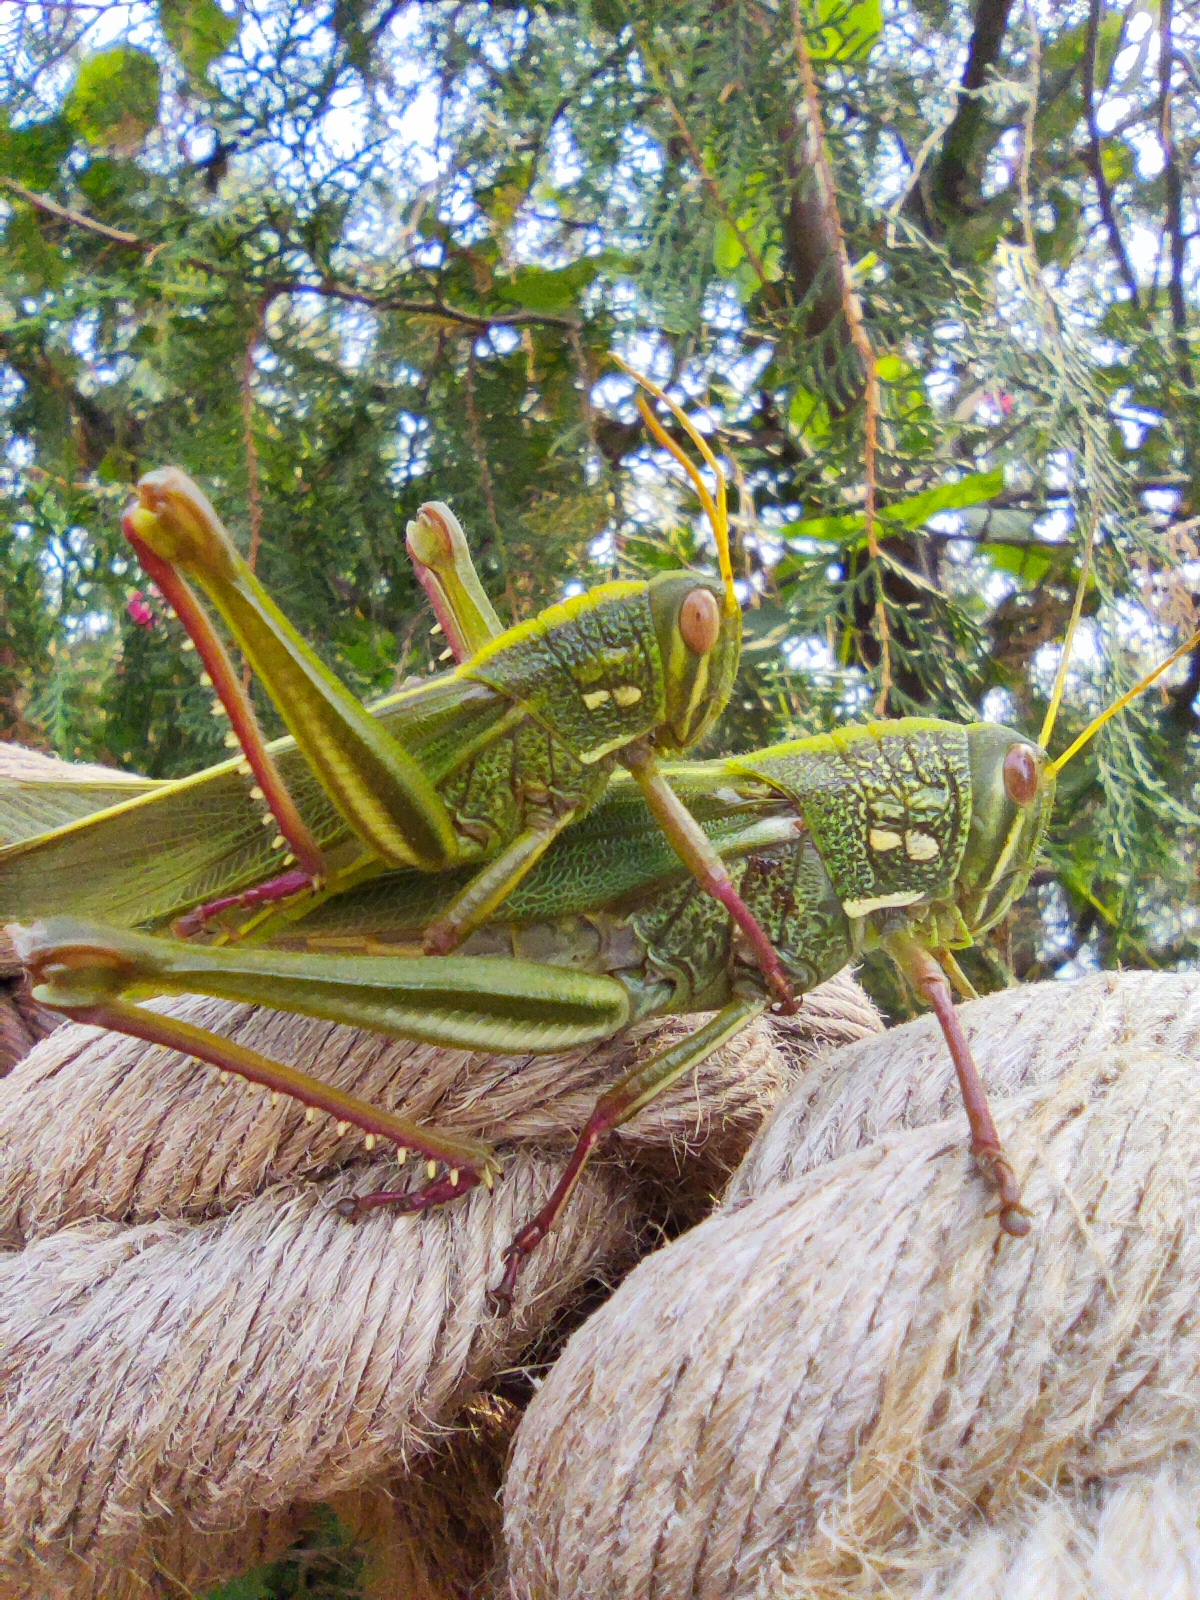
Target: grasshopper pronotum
{"points": [[912, 836], [528, 728]]}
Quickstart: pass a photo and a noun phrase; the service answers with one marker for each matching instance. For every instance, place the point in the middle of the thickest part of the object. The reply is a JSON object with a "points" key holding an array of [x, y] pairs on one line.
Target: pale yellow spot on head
{"points": [[920, 846], [628, 694], [596, 698], [883, 902], [884, 839]]}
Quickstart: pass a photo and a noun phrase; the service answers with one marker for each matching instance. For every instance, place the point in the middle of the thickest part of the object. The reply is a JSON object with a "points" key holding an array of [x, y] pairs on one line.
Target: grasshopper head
{"points": [[174, 518], [699, 638], [1012, 797]]}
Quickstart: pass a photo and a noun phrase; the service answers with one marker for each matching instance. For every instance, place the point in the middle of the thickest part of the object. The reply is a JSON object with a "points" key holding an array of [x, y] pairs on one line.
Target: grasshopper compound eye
{"points": [[700, 621], [1020, 775]]}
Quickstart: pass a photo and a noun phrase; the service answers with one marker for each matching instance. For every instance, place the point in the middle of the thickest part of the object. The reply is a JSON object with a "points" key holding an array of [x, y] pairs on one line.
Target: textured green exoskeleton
{"points": [[541, 713], [546, 705], [913, 835]]}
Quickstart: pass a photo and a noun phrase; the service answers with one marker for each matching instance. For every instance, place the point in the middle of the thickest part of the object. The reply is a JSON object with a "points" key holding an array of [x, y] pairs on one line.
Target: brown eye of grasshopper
{"points": [[1020, 775], [700, 621]]}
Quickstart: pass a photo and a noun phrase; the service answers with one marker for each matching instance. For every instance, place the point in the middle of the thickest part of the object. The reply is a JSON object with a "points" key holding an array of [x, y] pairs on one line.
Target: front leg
{"points": [[930, 982], [441, 559], [492, 886], [696, 851], [622, 1101]]}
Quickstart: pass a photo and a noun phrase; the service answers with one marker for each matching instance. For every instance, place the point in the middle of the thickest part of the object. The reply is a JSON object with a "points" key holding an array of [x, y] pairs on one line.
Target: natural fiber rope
{"points": [[22, 1021], [191, 1338], [100, 1127], [1022, 1038], [846, 1384]]}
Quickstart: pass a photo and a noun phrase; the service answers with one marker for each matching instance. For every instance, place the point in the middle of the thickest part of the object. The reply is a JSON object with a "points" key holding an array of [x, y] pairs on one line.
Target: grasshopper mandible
{"points": [[531, 723], [912, 836]]}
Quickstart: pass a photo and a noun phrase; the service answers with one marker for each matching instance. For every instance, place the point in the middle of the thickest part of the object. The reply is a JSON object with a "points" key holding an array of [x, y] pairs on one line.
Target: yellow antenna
{"points": [[1097, 723], [1060, 677], [716, 507]]}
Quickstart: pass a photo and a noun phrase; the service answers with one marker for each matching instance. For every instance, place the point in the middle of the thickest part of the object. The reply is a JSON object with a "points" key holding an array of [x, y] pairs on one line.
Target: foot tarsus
{"points": [[281, 888], [406, 1201], [986, 1144]]}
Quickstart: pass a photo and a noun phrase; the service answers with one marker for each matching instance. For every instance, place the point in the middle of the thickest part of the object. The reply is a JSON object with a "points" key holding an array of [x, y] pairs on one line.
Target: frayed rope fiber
{"points": [[194, 1346], [845, 1383]]}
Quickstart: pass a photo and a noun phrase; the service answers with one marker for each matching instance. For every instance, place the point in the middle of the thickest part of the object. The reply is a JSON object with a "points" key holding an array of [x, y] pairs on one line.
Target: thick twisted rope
{"points": [[846, 1383]]}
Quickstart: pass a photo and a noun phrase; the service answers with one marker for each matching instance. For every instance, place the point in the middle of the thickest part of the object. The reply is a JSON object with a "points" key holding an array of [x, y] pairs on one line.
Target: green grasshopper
{"points": [[491, 764], [912, 836]]}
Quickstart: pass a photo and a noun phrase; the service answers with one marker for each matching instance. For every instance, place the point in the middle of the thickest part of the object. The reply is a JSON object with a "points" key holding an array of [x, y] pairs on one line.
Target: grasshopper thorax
{"points": [[1012, 796], [699, 639]]}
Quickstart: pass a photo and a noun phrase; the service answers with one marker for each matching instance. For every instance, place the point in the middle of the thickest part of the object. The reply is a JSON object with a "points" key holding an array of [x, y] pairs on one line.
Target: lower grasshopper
{"points": [[912, 836], [525, 732]]}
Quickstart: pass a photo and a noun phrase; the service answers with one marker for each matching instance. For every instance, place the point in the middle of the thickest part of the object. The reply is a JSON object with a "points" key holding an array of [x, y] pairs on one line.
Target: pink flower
{"points": [[139, 612]]}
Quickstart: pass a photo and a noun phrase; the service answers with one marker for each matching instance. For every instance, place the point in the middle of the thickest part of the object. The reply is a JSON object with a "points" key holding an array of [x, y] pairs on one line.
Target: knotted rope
{"points": [[194, 1346], [846, 1383]]}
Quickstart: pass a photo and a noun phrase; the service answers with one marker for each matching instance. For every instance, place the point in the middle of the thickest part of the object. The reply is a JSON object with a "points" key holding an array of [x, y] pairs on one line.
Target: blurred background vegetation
{"points": [[341, 256], [337, 257]]}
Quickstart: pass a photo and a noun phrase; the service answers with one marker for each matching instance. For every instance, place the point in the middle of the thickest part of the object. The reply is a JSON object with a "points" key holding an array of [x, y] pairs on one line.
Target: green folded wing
{"points": [[614, 858], [145, 859], [39, 793]]}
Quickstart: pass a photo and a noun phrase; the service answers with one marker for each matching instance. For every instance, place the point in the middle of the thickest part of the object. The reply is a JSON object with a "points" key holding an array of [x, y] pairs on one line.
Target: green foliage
{"points": [[198, 32], [844, 32], [274, 278], [322, 1565], [114, 99]]}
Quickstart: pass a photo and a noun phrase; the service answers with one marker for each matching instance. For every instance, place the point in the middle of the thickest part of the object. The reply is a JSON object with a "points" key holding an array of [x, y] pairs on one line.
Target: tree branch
{"points": [[811, 254], [382, 301], [710, 183], [76, 219], [1094, 157], [953, 168], [1173, 185], [378, 301], [852, 306], [253, 486], [479, 445]]}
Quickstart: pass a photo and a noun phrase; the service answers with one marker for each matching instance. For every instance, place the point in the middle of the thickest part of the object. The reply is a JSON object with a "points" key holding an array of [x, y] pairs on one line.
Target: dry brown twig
{"points": [[714, 190], [253, 486], [852, 307], [486, 484]]}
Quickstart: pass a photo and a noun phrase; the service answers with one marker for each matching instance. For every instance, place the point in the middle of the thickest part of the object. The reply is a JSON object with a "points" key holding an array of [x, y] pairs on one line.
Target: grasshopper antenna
{"points": [[716, 506], [1060, 677], [1093, 727]]}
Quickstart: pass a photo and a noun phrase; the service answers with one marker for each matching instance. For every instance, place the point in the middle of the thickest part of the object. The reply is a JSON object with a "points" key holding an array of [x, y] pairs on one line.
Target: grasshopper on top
{"points": [[913, 836], [622, 673]]}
